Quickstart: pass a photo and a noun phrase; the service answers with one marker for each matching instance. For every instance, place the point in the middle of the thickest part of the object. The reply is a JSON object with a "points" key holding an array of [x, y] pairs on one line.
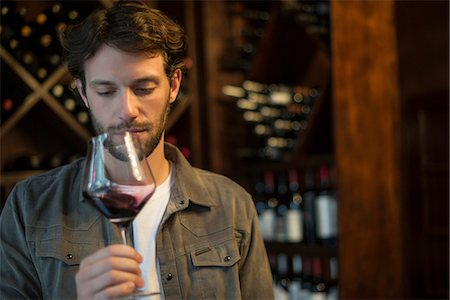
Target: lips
{"points": [[132, 130]]}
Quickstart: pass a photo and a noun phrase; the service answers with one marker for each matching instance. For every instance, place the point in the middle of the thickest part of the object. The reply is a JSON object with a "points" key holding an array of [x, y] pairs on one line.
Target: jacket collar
{"points": [[188, 184]]}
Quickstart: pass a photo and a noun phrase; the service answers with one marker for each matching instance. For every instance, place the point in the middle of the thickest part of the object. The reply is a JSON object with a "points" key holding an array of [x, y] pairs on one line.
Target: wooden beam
{"points": [[366, 121]]}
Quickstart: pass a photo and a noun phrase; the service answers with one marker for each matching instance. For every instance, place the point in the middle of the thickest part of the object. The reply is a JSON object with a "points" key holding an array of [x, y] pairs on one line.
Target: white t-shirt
{"points": [[145, 228]]}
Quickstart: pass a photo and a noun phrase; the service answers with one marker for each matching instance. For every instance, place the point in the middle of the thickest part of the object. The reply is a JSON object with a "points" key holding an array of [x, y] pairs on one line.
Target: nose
{"points": [[128, 105]]}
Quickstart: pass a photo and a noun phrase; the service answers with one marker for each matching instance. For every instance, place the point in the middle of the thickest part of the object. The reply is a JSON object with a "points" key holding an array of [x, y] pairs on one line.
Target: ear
{"points": [[175, 85], [80, 91]]}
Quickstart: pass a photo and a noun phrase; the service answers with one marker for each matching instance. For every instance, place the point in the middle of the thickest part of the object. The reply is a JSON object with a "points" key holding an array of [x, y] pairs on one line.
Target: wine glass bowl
{"points": [[118, 180]]}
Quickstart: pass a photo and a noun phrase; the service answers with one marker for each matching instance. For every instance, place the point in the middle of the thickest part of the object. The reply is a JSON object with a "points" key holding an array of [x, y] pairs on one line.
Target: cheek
{"points": [[155, 106], [100, 112]]}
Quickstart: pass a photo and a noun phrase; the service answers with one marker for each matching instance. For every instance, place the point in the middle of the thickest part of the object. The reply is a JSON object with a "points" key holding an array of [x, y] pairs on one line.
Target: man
{"points": [[127, 64]]}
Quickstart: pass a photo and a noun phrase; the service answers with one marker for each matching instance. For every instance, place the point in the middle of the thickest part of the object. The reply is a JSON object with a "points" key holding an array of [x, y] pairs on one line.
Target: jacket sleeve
{"points": [[255, 274], [18, 275]]}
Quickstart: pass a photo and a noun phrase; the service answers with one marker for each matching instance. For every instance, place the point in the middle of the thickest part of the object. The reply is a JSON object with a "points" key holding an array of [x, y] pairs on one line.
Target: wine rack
{"points": [[274, 94], [43, 123], [37, 131]]}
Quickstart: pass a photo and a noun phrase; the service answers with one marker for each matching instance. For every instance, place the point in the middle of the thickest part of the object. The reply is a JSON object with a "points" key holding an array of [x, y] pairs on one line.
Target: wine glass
{"points": [[118, 180]]}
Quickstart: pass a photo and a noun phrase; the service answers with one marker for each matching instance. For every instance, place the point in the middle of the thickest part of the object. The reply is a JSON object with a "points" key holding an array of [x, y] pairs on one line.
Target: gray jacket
{"points": [[208, 246]]}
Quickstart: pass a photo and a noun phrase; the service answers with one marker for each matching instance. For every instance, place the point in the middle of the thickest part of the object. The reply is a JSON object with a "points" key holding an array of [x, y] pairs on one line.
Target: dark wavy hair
{"points": [[130, 26]]}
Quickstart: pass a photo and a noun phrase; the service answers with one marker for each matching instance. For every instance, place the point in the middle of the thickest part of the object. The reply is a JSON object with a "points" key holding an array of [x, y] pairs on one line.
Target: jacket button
{"points": [[169, 276], [227, 258], [69, 256]]}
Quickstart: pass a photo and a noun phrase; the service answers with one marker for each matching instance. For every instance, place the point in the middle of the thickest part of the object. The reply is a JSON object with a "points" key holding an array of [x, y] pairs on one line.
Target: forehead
{"points": [[110, 62]]}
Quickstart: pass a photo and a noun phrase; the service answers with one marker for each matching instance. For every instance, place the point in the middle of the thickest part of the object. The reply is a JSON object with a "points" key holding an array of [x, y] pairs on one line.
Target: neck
{"points": [[158, 163]]}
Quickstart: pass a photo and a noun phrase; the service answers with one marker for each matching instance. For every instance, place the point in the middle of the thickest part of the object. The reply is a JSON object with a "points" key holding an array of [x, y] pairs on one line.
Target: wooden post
{"points": [[366, 121]]}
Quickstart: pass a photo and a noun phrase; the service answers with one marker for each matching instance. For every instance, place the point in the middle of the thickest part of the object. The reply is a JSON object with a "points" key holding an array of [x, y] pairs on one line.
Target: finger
{"points": [[115, 278], [113, 264], [116, 291], [113, 250], [94, 285]]}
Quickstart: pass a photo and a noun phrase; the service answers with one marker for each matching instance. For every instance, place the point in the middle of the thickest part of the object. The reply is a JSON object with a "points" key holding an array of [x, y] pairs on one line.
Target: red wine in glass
{"points": [[120, 208]]}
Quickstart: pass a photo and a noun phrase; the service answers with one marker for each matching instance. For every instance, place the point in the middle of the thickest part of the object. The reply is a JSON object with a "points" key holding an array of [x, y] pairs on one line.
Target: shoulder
{"points": [[219, 182], [55, 176], [38, 193], [226, 193]]}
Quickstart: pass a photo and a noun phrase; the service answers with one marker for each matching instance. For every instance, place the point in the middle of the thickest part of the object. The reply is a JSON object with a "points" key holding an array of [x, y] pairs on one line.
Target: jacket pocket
{"points": [[70, 253], [57, 261], [223, 255], [216, 271]]}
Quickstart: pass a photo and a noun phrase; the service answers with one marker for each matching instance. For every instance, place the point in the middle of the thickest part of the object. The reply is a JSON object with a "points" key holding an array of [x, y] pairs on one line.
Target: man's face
{"points": [[126, 91]]}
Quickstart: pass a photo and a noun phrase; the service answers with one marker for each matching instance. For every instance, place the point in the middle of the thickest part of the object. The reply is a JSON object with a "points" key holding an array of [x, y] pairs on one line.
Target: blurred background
{"points": [[334, 115]]}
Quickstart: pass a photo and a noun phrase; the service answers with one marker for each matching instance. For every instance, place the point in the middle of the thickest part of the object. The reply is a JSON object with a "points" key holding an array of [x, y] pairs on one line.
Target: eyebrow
{"points": [[146, 79]]}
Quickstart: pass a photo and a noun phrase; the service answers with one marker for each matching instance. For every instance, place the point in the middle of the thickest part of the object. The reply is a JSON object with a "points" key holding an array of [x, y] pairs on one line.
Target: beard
{"points": [[151, 136]]}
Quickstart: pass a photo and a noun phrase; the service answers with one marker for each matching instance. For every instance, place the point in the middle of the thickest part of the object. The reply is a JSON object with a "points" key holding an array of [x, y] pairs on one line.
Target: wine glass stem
{"points": [[123, 233]]}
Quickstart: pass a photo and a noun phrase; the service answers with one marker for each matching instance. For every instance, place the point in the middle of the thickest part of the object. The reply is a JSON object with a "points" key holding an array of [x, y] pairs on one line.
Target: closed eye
{"points": [[107, 93], [143, 91]]}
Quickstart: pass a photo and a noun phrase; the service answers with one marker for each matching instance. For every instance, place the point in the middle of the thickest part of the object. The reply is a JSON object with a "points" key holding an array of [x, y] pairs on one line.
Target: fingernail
{"points": [[139, 257], [140, 282]]}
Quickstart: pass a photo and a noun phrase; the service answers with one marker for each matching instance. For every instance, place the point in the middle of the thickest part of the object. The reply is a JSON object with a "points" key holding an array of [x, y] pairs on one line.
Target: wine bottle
{"points": [[326, 210], [295, 286], [282, 208], [30, 34], [46, 41], [263, 130], [58, 91], [294, 216], [268, 213], [281, 277], [271, 153], [307, 283], [13, 92], [16, 36], [65, 96], [51, 161], [319, 288], [300, 286], [234, 91], [83, 117], [8, 108], [11, 21], [281, 143], [28, 162], [309, 196], [7, 12], [333, 289], [260, 202]]}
